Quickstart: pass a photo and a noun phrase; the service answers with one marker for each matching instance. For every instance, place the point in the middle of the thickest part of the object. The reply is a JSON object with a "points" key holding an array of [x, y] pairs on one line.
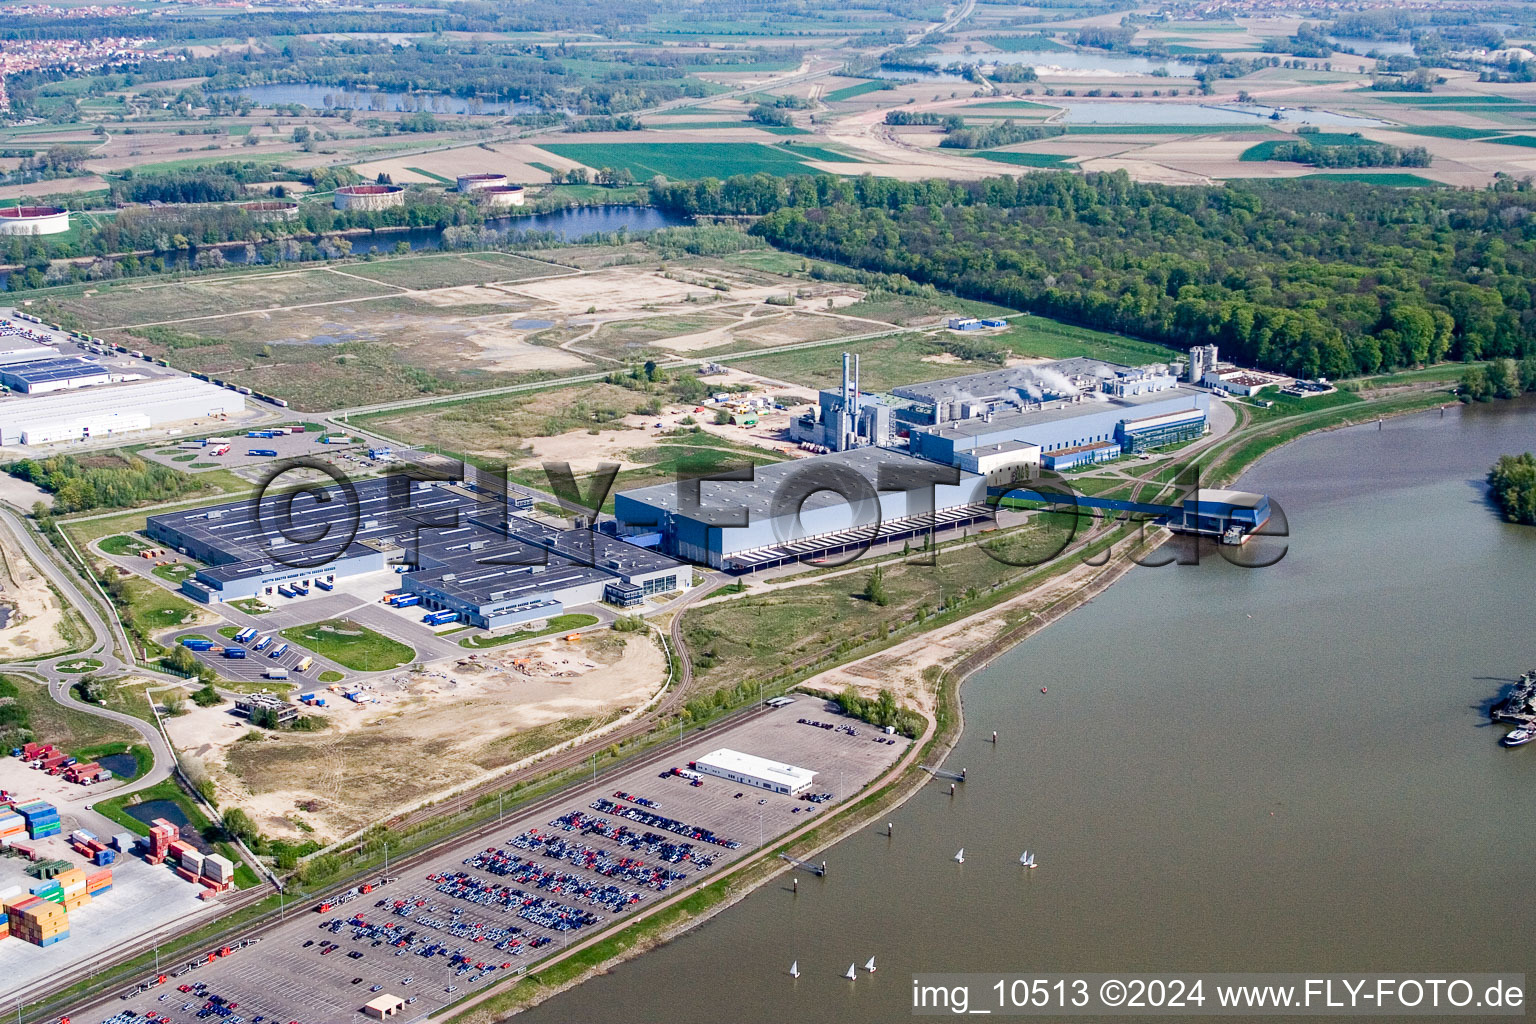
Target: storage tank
{"points": [[480, 181], [501, 197], [272, 209], [369, 197], [33, 220]]}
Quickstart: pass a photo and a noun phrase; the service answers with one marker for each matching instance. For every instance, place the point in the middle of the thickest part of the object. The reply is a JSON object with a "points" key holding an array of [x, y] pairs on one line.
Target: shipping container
{"points": [[267, 452], [325, 585], [234, 652], [278, 651], [277, 673], [303, 666], [263, 643], [194, 644], [245, 635]]}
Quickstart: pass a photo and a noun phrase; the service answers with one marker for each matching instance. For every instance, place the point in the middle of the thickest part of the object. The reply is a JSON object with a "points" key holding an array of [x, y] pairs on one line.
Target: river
{"points": [[1280, 769]]}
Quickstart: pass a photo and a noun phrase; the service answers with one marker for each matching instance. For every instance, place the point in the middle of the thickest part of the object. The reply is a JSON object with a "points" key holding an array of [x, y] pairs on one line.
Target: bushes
{"points": [[76, 487], [880, 711], [1513, 482]]}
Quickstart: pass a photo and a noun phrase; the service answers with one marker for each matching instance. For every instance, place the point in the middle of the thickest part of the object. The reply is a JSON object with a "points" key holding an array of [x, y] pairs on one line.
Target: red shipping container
{"points": [[184, 873], [179, 849]]}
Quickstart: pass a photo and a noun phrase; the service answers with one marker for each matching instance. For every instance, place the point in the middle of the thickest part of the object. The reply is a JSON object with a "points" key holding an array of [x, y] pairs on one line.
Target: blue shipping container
{"points": [[234, 652]]}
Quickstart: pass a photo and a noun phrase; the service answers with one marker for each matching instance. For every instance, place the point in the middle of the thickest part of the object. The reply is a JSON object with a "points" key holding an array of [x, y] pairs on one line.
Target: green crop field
{"points": [[1266, 150], [351, 645], [1446, 131], [683, 161], [1514, 140], [1009, 105], [1421, 100], [1381, 178], [1026, 159], [694, 126], [850, 91], [428, 174]]}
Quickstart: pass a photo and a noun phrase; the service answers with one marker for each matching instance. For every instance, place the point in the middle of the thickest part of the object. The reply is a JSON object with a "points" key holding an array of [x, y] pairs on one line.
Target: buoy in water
{"points": [[1044, 690]]}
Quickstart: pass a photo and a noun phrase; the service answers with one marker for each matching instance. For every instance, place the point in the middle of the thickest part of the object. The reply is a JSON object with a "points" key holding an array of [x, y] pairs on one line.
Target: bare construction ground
{"points": [[427, 731], [35, 614]]}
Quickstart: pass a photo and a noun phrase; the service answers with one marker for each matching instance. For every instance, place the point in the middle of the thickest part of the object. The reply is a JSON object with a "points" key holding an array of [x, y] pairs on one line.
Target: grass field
{"points": [[351, 645], [1006, 105], [435, 177], [141, 302], [887, 363], [558, 624], [51, 722], [1022, 159], [452, 271], [682, 161], [771, 129], [848, 92], [1422, 100]]}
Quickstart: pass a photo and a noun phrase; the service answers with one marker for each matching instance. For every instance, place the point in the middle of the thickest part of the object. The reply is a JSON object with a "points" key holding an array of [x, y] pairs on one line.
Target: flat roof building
{"points": [[383, 1006], [751, 770], [803, 508], [461, 549], [61, 373], [112, 409]]}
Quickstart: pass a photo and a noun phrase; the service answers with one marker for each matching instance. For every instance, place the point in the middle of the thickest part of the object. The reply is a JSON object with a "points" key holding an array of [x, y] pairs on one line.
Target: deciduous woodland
{"points": [[1304, 277]]}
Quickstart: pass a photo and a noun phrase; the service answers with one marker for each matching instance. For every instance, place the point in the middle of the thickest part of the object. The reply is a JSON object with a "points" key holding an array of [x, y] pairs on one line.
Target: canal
{"points": [[1281, 769]]}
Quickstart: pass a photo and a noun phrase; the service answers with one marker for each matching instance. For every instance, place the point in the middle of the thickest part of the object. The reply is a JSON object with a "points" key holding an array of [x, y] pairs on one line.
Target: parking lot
{"points": [[351, 458], [501, 903]]}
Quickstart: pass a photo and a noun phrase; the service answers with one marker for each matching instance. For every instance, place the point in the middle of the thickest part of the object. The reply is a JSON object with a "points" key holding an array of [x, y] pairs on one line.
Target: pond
{"points": [[149, 810], [335, 97], [1083, 61], [123, 766]]}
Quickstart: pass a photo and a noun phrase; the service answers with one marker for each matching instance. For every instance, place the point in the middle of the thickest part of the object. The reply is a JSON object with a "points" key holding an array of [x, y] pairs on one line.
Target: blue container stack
{"points": [[42, 819]]}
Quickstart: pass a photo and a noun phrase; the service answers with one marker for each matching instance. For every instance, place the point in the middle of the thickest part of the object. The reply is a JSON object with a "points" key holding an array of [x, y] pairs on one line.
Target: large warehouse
{"points": [[467, 554], [804, 508], [113, 409]]}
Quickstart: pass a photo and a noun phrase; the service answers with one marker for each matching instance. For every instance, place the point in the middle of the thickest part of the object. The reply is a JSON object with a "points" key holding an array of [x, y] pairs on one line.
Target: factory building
{"points": [[112, 409], [805, 508], [461, 550], [845, 417], [61, 373], [1002, 464], [758, 772], [1073, 409]]}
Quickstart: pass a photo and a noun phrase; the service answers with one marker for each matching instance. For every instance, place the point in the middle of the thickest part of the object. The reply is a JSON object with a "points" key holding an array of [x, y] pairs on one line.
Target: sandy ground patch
{"points": [[36, 613], [84, 183], [625, 288], [429, 731]]}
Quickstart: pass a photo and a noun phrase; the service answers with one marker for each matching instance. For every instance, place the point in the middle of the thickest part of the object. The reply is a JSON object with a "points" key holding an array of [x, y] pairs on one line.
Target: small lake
{"points": [[1363, 46], [335, 97], [1087, 61], [1154, 112]]}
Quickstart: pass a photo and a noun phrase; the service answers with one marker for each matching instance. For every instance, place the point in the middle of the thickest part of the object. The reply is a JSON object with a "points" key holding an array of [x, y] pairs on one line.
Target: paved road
{"points": [[103, 647]]}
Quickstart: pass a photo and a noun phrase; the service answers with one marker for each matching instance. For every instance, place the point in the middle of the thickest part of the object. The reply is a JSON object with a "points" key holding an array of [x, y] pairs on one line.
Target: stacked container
{"points": [[72, 882], [42, 819], [218, 868], [12, 825], [99, 882], [51, 891], [161, 835], [38, 921]]}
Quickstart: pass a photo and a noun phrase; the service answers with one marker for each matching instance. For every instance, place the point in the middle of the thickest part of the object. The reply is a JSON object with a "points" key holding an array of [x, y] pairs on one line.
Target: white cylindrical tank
{"points": [[369, 197], [34, 220], [501, 197], [480, 180]]}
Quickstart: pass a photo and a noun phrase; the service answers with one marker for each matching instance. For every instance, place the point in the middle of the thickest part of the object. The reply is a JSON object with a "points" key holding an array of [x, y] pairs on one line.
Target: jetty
{"points": [[1520, 706], [816, 869]]}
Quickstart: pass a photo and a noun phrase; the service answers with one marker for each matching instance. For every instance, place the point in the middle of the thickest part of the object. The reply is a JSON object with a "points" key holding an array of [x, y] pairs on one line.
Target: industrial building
{"points": [[1073, 409], [759, 772], [806, 508], [61, 373], [461, 551], [845, 417], [112, 409]]}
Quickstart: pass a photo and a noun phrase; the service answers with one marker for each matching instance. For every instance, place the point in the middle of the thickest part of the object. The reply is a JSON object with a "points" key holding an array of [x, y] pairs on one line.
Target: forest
{"points": [[1305, 277], [1513, 483], [118, 483], [1303, 152]]}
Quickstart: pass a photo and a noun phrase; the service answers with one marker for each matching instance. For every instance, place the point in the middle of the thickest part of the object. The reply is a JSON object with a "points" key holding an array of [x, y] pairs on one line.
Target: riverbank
{"points": [[973, 643]]}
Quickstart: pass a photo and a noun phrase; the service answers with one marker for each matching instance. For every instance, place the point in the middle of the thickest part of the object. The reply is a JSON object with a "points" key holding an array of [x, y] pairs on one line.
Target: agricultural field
{"points": [[645, 160]]}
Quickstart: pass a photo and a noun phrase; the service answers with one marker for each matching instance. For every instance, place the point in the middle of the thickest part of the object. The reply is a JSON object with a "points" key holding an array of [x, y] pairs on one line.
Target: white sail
{"points": [[1024, 858], [794, 969], [960, 857], [870, 967], [851, 973], [1031, 860]]}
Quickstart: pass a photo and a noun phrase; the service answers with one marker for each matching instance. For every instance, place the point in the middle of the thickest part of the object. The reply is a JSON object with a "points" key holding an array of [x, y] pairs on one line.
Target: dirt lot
{"points": [[36, 613], [427, 732]]}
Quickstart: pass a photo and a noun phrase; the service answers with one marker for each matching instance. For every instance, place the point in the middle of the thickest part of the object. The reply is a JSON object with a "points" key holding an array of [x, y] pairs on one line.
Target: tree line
{"points": [[1512, 481], [124, 483], [1303, 277], [1375, 155]]}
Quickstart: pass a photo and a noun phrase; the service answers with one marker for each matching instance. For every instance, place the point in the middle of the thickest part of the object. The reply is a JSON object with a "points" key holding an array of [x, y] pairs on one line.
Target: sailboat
{"points": [[1024, 859], [870, 967], [1031, 863], [851, 973], [794, 969], [960, 857]]}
